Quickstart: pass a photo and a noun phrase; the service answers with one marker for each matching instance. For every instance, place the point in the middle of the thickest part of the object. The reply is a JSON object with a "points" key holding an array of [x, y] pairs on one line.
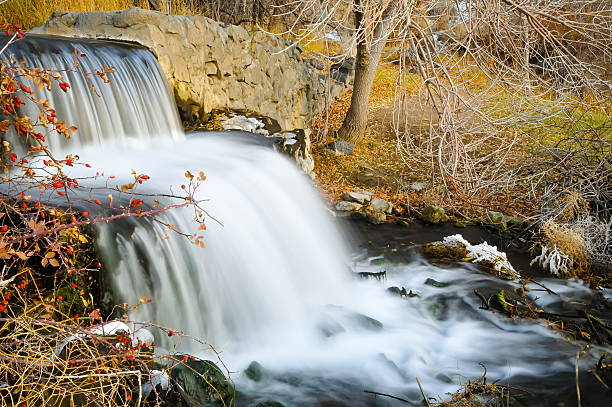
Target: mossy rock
{"points": [[434, 214], [442, 251], [255, 371], [380, 261], [438, 284], [496, 219], [202, 380], [401, 292]]}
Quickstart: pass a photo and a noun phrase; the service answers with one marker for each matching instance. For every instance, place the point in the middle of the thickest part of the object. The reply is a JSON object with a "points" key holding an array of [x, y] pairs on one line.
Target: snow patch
{"points": [[141, 336], [483, 252], [244, 123], [157, 378]]}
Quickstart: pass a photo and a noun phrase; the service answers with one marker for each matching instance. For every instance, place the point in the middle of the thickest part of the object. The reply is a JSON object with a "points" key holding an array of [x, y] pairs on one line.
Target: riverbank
{"points": [[382, 166]]}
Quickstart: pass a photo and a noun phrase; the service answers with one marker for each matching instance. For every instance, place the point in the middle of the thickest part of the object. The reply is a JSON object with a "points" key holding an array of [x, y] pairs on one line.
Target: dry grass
{"points": [[377, 166], [569, 241], [33, 13]]}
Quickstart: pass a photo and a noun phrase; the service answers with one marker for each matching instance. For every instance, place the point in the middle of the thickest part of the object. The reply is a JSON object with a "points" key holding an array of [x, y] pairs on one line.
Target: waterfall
{"points": [[133, 109], [274, 283]]}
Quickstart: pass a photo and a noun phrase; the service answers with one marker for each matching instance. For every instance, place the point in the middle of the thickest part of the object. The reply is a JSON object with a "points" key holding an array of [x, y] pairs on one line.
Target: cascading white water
{"points": [[134, 108], [273, 283]]}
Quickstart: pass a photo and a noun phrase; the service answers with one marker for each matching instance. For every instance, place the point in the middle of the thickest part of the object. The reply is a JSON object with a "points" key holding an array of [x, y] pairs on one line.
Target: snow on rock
{"points": [[483, 253], [107, 329], [244, 123], [111, 328], [142, 337], [157, 378]]}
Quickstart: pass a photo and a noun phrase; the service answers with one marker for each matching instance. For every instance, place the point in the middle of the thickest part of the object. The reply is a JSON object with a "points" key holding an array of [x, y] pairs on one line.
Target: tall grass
{"points": [[33, 13]]}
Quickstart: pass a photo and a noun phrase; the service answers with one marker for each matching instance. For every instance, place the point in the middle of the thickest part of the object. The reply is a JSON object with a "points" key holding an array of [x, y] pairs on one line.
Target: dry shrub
{"points": [[570, 241], [572, 205], [478, 393]]}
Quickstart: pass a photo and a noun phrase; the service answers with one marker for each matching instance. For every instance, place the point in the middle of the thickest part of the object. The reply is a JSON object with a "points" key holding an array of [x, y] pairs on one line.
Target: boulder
{"points": [[434, 214], [202, 381], [358, 196], [255, 371], [341, 147], [376, 218], [298, 147], [345, 206], [380, 205]]}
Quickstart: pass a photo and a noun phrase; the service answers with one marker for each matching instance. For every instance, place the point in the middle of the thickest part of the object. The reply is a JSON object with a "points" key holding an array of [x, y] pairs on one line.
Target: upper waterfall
{"points": [[134, 107]]}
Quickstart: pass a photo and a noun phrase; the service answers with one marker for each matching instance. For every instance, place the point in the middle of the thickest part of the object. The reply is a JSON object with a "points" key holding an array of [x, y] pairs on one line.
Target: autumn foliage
{"points": [[53, 344]]}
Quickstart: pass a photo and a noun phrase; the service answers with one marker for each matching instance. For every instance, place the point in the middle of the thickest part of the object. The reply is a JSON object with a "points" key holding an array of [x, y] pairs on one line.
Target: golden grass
{"points": [[570, 242], [33, 13], [376, 164]]}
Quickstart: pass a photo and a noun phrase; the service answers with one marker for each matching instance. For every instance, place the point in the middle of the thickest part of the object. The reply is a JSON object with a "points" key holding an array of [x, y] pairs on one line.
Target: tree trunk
{"points": [[366, 64]]}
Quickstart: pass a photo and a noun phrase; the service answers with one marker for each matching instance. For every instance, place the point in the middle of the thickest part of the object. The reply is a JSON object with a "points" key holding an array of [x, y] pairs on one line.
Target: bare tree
{"points": [[511, 98]]}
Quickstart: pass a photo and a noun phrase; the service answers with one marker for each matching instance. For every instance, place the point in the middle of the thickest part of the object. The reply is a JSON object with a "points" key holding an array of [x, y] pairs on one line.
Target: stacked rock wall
{"points": [[211, 65]]}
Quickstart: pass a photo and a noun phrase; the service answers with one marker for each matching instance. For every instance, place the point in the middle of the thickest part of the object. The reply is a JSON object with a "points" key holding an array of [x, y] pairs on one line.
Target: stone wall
{"points": [[210, 65]]}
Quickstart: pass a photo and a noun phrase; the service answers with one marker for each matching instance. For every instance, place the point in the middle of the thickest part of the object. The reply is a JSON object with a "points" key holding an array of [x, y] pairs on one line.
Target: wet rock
{"points": [[255, 371], [270, 403], [380, 205], [402, 292], [296, 144], [346, 206], [438, 310], [380, 261], [341, 147], [391, 365], [439, 250], [381, 276], [367, 322], [201, 380], [434, 214], [331, 327], [438, 284], [376, 218], [396, 291], [358, 196]]}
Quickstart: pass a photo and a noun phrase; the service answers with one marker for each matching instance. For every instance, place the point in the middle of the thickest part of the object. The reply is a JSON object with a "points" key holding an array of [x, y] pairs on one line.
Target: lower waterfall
{"points": [[276, 282]]}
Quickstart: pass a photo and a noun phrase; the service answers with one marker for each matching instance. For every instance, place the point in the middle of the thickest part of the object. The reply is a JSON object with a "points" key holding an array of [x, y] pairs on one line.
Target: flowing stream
{"points": [[276, 282]]}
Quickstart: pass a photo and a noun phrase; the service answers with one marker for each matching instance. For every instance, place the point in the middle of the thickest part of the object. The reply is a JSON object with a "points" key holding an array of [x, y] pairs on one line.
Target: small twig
{"points": [[388, 395], [577, 382], [485, 303], [422, 392]]}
